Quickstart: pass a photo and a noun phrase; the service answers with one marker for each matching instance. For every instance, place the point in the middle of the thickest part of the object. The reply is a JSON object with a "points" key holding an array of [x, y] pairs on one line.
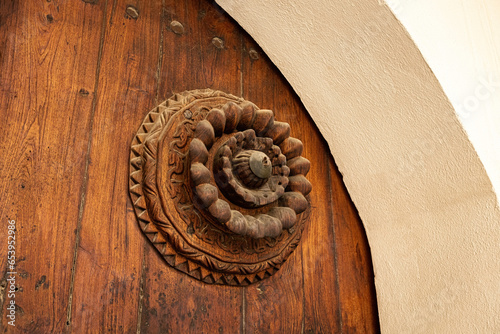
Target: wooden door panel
{"points": [[48, 63], [173, 302], [109, 259], [76, 85], [292, 293]]}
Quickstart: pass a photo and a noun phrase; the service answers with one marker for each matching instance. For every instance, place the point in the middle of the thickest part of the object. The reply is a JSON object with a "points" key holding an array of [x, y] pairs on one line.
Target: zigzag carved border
{"points": [[153, 120]]}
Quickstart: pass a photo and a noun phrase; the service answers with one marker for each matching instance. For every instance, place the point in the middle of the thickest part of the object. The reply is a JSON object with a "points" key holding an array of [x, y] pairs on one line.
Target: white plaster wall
{"points": [[429, 210], [460, 40]]}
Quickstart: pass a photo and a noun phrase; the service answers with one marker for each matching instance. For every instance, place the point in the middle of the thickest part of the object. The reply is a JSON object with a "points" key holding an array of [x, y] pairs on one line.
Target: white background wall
{"points": [[460, 40]]}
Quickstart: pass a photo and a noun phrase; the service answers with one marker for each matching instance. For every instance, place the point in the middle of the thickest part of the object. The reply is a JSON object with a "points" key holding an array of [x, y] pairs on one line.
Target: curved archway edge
{"points": [[429, 209]]}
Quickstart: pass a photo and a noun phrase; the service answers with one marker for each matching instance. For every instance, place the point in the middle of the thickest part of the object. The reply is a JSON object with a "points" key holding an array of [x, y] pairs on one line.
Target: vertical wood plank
{"points": [[110, 250], [322, 312], [48, 61], [321, 290], [174, 302], [275, 305], [356, 279], [193, 59], [51, 178], [315, 258]]}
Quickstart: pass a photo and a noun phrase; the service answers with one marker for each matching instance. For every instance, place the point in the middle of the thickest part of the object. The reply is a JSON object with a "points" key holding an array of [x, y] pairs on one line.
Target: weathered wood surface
{"points": [[76, 79]]}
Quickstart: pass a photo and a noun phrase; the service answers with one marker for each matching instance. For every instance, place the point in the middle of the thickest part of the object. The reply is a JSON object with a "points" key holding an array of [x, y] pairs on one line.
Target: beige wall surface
{"points": [[460, 40], [428, 206]]}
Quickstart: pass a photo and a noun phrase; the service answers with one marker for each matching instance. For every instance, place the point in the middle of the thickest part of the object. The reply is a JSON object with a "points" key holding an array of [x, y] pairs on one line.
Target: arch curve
{"points": [[429, 209]]}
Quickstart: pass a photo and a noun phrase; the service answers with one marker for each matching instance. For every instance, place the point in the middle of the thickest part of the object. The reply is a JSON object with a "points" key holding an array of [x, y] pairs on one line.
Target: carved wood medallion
{"points": [[219, 187]]}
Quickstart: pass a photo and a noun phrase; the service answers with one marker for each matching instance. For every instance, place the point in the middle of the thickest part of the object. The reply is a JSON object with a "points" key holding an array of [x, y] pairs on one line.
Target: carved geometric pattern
{"points": [[218, 187]]}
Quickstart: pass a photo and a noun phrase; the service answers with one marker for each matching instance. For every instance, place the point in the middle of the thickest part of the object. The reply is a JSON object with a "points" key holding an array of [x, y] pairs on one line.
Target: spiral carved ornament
{"points": [[219, 187]]}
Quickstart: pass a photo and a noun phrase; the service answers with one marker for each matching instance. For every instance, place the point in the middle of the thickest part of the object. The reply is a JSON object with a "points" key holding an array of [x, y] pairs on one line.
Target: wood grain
{"points": [[76, 80], [48, 65], [174, 303], [319, 260], [110, 249], [280, 297], [358, 303]]}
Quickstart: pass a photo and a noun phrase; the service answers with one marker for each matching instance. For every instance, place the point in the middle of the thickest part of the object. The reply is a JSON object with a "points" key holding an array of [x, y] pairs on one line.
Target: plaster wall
{"points": [[426, 201], [460, 40]]}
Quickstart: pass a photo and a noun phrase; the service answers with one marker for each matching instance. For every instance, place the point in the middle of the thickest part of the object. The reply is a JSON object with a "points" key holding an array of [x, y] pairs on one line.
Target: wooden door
{"points": [[77, 77]]}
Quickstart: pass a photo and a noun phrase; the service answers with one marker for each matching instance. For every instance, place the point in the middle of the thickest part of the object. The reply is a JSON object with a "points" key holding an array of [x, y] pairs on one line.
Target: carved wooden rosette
{"points": [[219, 187]]}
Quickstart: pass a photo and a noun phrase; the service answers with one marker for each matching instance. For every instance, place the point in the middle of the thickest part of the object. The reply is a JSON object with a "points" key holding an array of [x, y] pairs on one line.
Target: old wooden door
{"points": [[77, 78]]}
